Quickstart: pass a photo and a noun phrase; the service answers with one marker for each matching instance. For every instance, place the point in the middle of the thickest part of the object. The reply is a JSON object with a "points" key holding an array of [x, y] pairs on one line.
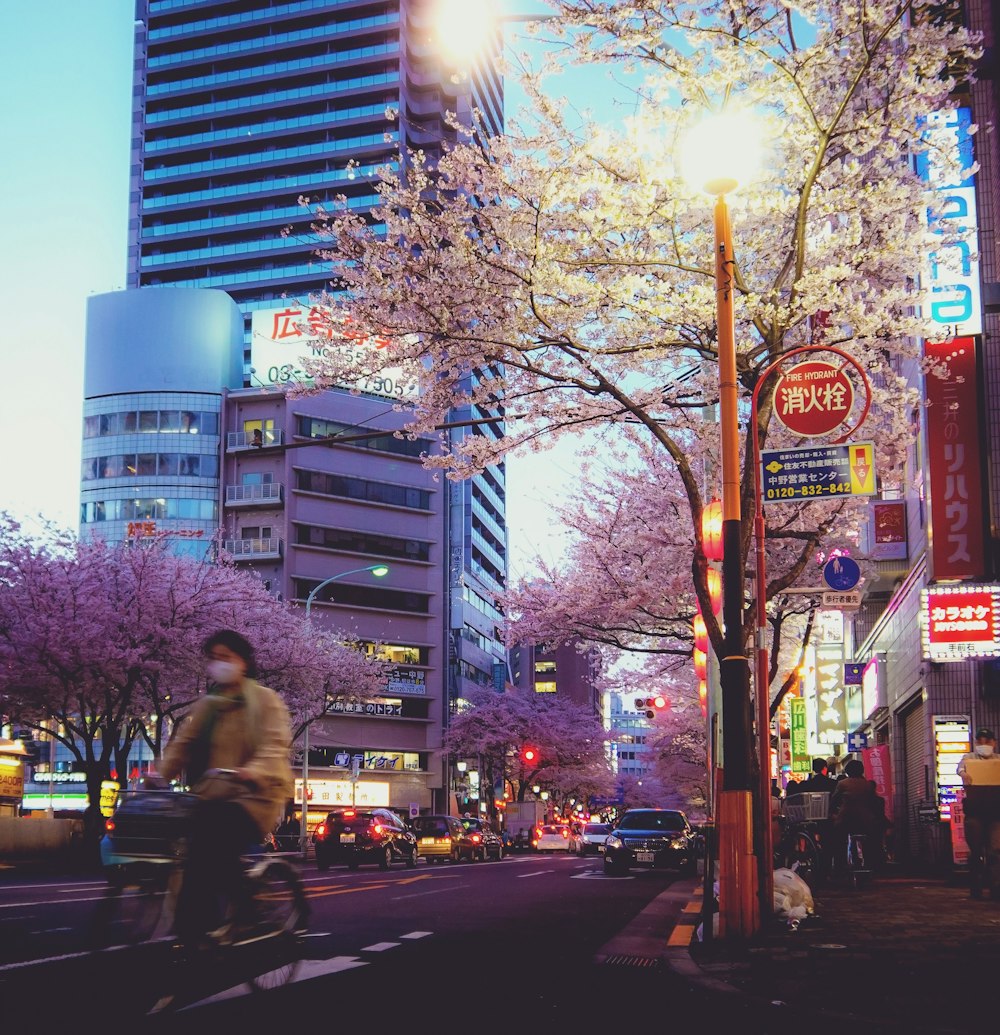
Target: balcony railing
{"points": [[253, 495], [237, 440], [253, 549]]}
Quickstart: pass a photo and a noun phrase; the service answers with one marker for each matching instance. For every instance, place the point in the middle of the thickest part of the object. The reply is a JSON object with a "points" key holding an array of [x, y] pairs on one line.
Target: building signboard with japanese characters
{"points": [[813, 398], [282, 338], [952, 293], [367, 707], [409, 681], [831, 698], [848, 600], [798, 735], [817, 471], [958, 540], [960, 622]]}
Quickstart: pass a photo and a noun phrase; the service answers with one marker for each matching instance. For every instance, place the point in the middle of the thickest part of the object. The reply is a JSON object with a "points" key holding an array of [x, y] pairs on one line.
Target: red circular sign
{"points": [[813, 398]]}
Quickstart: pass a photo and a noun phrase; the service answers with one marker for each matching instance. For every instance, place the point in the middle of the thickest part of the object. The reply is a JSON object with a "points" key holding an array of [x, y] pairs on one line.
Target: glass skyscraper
{"points": [[241, 107]]}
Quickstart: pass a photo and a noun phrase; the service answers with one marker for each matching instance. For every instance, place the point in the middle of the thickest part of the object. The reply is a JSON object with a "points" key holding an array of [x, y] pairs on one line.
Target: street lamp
{"points": [[379, 571], [719, 154]]}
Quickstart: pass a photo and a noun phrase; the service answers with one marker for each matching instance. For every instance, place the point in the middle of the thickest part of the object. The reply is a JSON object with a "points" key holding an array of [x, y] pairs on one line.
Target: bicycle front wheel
{"points": [[131, 908], [282, 911]]}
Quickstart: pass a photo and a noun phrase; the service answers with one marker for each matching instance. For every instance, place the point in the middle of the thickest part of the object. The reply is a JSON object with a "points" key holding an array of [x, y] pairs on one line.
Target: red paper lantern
{"points": [[711, 530], [700, 632], [715, 590], [703, 696], [700, 663]]}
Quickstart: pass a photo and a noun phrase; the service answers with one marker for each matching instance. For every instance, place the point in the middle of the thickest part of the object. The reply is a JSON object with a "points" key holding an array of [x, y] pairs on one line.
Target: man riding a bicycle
{"points": [[242, 728]]}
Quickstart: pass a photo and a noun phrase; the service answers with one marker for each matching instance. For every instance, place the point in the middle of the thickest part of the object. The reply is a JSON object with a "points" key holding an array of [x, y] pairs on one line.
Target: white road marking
{"points": [[309, 969], [380, 947], [417, 934], [537, 873], [72, 884], [53, 930], [317, 934], [597, 875]]}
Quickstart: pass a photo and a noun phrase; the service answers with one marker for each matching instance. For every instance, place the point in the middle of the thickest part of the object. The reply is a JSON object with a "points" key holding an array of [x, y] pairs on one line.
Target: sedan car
{"points": [[487, 841], [651, 838], [356, 836], [552, 838], [590, 840]]}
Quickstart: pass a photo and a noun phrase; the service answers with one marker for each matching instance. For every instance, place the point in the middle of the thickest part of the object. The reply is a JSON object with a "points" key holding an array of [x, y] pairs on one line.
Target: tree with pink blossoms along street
{"points": [[565, 271], [570, 741], [100, 645]]}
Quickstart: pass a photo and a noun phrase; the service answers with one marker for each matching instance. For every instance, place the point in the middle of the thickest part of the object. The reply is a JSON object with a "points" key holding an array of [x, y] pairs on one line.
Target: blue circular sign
{"points": [[841, 573]]}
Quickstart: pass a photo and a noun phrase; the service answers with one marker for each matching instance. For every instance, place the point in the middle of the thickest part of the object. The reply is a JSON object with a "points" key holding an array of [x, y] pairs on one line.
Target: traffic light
{"points": [[529, 755], [650, 705]]}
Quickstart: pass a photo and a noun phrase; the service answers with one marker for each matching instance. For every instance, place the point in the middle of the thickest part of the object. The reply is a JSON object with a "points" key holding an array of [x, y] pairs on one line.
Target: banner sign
{"points": [[960, 622], [799, 735], [281, 338], [409, 681], [878, 767], [801, 474], [952, 295], [953, 458], [367, 708]]}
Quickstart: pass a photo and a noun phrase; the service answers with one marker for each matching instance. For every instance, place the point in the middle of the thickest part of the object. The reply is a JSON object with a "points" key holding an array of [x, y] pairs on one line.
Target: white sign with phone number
{"points": [[282, 338]]}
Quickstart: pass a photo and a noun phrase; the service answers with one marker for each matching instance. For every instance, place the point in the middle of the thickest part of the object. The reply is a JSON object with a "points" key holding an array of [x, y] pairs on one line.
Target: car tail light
{"points": [[109, 825], [565, 832], [349, 813], [321, 830], [538, 832], [476, 839], [376, 828]]}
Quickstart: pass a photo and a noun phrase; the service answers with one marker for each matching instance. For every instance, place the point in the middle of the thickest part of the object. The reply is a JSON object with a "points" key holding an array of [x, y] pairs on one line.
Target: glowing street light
{"points": [[379, 571], [719, 155]]}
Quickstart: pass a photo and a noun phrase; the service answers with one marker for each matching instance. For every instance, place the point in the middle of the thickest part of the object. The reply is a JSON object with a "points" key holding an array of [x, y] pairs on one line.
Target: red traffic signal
{"points": [[529, 755], [651, 705]]}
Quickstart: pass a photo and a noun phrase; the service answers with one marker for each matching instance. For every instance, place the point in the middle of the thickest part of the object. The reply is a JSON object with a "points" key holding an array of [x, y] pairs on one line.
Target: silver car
{"points": [[590, 841]]}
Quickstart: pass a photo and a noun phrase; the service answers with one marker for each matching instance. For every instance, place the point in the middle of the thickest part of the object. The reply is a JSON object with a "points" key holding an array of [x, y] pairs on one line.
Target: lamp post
{"points": [[379, 571], [712, 150]]}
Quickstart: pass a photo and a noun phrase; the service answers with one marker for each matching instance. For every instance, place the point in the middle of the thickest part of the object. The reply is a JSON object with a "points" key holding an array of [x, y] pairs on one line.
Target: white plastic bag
{"points": [[794, 892]]}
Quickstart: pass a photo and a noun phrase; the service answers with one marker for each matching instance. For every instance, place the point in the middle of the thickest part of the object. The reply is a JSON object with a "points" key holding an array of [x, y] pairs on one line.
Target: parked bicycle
{"points": [[143, 853], [802, 846]]}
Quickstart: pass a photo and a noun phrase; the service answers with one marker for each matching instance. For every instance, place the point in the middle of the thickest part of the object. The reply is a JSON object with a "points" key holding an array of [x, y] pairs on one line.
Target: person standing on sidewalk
{"points": [[982, 814]]}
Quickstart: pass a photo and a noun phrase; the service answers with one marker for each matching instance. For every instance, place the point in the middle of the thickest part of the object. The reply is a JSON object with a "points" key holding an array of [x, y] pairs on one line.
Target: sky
{"points": [[63, 218]]}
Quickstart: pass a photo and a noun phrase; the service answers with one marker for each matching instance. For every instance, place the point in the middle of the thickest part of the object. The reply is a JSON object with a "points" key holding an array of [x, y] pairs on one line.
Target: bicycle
{"points": [[802, 845], [144, 853]]}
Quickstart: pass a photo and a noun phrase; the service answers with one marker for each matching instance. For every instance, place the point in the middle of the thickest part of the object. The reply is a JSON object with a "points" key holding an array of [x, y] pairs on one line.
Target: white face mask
{"points": [[984, 750], [225, 673]]}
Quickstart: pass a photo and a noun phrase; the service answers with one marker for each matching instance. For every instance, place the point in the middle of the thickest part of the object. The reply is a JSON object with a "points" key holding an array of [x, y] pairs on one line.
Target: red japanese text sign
{"points": [[960, 622], [813, 398], [953, 454]]}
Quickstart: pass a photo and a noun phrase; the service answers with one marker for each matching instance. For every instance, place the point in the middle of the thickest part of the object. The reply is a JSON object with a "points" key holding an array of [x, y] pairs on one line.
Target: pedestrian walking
{"points": [[982, 812]]}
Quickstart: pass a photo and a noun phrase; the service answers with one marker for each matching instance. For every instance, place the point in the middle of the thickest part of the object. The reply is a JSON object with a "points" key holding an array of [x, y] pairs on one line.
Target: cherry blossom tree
{"points": [[569, 739], [101, 644], [569, 267]]}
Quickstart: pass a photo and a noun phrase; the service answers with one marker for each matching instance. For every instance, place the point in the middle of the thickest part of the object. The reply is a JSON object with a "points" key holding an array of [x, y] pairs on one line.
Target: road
{"points": [[525, 943]]}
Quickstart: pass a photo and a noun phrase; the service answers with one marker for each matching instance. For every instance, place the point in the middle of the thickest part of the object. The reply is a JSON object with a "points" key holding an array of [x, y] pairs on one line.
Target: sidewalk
{"points": [[904, 954]]}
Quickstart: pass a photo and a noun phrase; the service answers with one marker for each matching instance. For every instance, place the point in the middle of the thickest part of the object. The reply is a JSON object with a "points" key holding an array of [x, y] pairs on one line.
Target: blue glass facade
{"points": [[151, 429]]}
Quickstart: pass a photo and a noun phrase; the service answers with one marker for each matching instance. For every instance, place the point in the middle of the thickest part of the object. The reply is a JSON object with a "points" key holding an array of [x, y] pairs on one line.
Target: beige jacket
{"points": [[251, 731]]}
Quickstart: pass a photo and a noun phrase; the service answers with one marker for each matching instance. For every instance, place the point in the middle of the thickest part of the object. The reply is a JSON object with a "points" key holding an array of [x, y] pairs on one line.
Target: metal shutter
{"points": [[915, 770]]}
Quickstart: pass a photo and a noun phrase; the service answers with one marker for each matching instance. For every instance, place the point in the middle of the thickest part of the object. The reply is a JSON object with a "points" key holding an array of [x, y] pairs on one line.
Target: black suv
{"points": [[356, 836], [654, 838]]}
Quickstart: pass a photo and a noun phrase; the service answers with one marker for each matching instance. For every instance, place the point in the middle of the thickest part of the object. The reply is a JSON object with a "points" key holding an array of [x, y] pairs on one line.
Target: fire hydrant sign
{"points": [[815, 471], [813, 398]]}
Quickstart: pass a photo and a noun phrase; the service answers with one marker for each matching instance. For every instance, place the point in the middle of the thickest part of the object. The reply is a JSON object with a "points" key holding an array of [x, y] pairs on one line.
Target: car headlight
{"points": [[677, 844], [612, 842]]}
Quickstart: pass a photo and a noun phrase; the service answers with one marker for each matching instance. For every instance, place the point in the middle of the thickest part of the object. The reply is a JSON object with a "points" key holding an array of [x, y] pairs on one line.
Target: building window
{"points": [[362, 489], [545, 687], [368, 543], [364, 596], [544, 666], [313, 427]]}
